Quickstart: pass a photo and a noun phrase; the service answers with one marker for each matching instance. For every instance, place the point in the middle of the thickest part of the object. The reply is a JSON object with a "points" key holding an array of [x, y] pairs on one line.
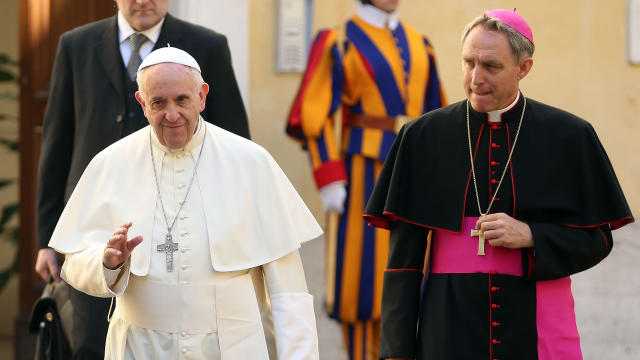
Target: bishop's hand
{"points": [[501, 229], [119, 248]]}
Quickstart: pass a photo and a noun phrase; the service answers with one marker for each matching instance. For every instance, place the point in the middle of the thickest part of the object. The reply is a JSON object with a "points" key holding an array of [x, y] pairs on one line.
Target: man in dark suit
{"points": [[92, 104]]}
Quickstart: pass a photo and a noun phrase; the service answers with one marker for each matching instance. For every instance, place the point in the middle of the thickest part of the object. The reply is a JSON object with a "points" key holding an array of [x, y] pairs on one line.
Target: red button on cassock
{"points": [[496, 341], [495, 323], [495, 306], [495, 163], [494, 181], [495, 288], [494, 145]]}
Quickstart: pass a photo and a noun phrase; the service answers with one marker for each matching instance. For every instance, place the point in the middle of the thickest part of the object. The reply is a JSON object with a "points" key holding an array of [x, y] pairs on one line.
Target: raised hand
{"points": [[119, 247]]}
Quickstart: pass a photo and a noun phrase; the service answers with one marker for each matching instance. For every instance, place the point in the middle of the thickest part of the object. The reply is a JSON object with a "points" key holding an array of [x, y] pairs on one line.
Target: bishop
{"points": [[518, 174]]}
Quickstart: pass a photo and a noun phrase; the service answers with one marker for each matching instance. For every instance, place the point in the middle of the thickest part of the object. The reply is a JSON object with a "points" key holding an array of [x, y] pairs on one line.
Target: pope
{"points": [[194, 230]]}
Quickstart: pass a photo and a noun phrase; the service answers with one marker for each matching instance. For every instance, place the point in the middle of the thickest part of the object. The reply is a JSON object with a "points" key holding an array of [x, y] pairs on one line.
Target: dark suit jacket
{"points": [[87, 102]]}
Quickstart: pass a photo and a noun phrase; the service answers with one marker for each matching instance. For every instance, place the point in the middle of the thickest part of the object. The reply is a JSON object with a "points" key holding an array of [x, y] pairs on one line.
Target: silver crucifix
{"points": [[169, 247]]}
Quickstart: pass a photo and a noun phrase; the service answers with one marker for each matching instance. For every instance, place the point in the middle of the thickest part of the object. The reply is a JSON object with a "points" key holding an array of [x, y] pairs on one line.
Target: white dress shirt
{"points": [[125, 30]]}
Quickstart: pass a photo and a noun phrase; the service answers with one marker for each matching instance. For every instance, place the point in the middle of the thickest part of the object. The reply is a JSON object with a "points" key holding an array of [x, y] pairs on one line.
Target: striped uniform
{"points": [[380, 72]]}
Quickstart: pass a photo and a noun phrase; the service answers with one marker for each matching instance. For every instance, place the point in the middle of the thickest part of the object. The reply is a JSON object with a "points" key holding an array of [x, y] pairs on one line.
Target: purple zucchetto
{"points": [[514, 20]]}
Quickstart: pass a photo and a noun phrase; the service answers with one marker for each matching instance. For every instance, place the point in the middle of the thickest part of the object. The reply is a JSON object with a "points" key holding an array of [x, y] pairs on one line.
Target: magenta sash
{"points": [[456, 253], [453, 253], [558, 337]]}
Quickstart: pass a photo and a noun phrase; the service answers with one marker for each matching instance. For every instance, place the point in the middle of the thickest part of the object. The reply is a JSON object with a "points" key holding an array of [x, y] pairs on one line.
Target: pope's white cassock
{"points": [[237, 288]]}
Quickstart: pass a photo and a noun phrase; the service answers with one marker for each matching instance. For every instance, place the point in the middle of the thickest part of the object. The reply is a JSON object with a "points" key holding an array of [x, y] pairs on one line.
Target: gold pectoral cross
{"points": [[480, 236]]}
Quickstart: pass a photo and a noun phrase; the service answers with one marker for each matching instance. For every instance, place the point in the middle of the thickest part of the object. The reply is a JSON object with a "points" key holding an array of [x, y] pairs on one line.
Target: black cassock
{"points": [[560, 182]]}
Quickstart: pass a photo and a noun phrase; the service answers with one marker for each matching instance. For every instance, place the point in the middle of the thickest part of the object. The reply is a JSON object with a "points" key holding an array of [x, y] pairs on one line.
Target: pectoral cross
{"points": [[480, 236], [169, 247]]}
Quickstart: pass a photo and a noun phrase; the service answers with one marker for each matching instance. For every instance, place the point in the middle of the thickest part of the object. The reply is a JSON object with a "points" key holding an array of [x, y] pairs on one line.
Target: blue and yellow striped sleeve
{"points": [[312, 115]]}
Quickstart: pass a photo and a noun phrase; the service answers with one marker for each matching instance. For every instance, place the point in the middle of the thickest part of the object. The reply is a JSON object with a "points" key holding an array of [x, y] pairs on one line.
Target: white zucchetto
{"points": [[169, 55]]}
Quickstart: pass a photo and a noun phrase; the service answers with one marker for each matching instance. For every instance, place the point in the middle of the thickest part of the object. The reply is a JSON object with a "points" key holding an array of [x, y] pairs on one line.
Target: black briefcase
{"points": [[50, 314]]}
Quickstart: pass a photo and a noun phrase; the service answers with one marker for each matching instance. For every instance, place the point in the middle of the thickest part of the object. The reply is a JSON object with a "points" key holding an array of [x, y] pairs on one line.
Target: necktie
{"points": [[135, 40]]}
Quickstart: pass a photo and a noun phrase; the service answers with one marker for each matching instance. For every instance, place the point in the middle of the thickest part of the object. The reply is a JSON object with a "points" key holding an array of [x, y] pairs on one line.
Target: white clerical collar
{"points": [[376, 17], [125, 30], [496, 115], [195, 141]]}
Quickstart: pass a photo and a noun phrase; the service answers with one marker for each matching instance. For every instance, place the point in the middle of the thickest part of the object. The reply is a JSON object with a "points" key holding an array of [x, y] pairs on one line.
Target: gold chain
{"points": [[506, 166]]}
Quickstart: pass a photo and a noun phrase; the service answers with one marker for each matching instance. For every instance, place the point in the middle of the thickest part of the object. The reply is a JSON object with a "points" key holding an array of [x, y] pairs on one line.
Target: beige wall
{"points": [[8, 162], [579, 65], [270, 96]]}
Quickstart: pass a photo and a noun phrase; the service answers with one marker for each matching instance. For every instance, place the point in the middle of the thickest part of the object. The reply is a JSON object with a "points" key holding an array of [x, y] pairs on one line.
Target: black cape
{"points": [[561, 173]]}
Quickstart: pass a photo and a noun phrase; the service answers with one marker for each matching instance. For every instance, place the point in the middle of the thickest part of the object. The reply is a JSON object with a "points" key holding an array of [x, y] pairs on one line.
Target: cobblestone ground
{"points": [[329, 331], [607, 301]]}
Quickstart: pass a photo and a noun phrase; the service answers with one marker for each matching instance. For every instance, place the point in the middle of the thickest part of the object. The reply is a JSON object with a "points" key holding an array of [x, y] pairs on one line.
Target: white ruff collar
{"points": [[376, 17]]}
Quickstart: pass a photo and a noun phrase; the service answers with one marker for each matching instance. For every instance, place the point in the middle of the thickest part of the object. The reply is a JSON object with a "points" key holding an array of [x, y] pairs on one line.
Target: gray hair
{"points": [[141, 78], [521, 47]]}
